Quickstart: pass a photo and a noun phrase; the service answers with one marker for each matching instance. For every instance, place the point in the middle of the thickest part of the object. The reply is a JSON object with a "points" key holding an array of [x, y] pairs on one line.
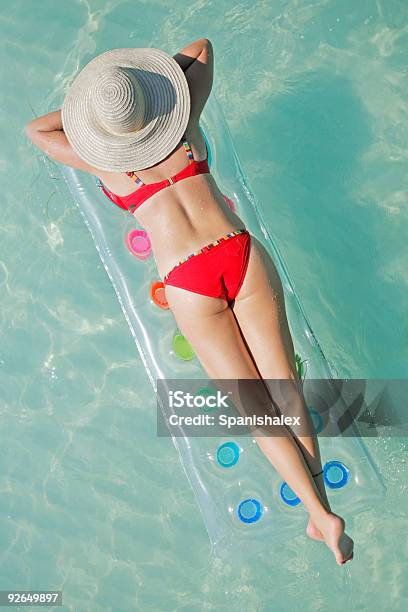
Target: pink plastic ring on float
{"points": [[138, 243], [230, 203]]}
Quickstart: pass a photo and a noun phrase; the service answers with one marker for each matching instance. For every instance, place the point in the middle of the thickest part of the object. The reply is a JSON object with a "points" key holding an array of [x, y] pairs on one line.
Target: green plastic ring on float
{"points": [[204, 391], [182, 347], [299, 366]]}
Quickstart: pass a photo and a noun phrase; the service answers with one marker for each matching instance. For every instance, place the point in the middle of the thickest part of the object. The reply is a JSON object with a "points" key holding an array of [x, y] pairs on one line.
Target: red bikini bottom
{"points": [[217, 270]]}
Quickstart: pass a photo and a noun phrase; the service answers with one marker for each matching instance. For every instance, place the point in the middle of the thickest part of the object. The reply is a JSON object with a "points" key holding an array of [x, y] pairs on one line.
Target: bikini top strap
{"points": [[188, 150], [135, 178]]}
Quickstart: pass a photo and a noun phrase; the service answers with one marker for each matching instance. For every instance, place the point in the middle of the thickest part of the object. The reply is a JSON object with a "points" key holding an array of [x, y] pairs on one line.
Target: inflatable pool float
{"points": [[243, 501]]}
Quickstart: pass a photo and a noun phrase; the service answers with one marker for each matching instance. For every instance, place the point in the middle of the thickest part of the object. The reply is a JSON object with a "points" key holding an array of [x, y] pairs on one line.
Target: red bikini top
{"points": [[144, 192]]}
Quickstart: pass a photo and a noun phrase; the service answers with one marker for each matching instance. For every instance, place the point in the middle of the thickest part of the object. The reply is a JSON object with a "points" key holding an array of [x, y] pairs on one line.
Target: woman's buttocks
{"points": [[185, 217]]}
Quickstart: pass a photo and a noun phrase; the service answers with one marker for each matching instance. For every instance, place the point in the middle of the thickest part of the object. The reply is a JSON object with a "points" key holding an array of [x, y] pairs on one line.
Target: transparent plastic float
{"points": [[243, 501]]}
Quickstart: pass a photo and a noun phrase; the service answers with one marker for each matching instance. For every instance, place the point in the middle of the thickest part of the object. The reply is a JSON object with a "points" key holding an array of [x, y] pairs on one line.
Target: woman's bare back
{"points": [[182, 217]]}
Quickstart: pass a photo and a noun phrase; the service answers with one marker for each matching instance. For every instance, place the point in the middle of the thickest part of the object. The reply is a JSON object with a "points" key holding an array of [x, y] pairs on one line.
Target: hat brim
{"points": [[168, 111]]}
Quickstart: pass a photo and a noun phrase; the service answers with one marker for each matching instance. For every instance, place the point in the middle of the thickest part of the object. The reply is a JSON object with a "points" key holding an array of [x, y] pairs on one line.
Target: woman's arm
{"points": [[47, 134], [197, 62], [46, 123], [185, 57]]}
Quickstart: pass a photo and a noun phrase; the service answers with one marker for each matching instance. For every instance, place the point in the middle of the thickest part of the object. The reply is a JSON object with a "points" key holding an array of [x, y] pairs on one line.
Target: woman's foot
{"points": [[313, 532], [341, 545]]}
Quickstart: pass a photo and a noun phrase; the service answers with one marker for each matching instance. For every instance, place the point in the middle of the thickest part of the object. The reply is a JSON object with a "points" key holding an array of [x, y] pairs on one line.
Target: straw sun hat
{"points": [[127, 109]]}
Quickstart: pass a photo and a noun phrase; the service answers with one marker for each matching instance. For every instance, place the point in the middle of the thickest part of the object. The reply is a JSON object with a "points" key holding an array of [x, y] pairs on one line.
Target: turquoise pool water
{"points": [[92, 502]]}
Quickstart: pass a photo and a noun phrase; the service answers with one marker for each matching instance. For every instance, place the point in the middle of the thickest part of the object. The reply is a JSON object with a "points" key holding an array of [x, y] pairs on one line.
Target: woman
{"points": [[138, 110]]}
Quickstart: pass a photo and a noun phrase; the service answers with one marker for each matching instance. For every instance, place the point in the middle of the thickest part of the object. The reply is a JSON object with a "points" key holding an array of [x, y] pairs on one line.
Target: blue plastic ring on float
{"points": [[228, 454], [317, 420], [336, 474], [288, 496], [250, 511]]}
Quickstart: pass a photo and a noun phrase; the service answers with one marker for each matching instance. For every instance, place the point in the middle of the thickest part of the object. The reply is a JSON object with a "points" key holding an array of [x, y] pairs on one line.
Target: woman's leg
{"points": [[210, 326], [261, 316]]}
